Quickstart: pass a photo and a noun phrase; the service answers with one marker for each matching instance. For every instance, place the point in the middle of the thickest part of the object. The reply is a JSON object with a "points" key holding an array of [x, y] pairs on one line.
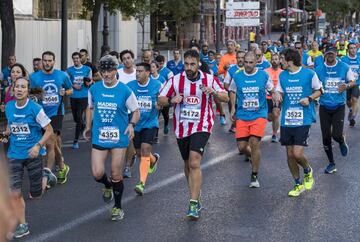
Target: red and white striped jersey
{"points": [[195, 113]]}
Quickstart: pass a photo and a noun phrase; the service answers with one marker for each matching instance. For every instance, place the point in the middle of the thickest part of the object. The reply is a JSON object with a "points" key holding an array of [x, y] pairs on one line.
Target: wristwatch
{"points": [[133, 124], [310, 99]]}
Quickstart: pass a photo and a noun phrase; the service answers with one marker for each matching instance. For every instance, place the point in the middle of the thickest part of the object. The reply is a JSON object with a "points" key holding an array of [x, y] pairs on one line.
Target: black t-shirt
{"points": [[93, 67]]}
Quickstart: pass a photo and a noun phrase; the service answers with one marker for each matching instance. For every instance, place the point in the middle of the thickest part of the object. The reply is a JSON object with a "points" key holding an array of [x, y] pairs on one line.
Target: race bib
{"points": [[250, 104], [145, 103], [332, 85], [51, 99], [79, 80], [109, 134], [190, 114], [20, 129], [294, 116]]}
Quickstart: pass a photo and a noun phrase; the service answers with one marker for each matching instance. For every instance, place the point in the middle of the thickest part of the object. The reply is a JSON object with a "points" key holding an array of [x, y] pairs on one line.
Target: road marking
{"points": [[88, 216]]}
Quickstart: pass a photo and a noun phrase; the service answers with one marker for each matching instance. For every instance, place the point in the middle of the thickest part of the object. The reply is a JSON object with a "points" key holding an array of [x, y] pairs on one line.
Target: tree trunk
{"points": [[8, 30], [94, 31], [142, 23]]}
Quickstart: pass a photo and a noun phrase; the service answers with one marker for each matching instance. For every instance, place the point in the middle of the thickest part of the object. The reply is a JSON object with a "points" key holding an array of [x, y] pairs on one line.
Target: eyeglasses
{"points": [[341, 45], [298, 48]]}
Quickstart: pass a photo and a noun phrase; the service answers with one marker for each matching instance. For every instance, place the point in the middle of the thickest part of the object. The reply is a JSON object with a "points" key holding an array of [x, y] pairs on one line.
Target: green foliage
{"points": [[181, 11]]}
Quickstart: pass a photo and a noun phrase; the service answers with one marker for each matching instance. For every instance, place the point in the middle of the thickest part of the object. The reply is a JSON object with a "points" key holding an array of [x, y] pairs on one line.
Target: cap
{"points": [[108, 63], [330, 49]]}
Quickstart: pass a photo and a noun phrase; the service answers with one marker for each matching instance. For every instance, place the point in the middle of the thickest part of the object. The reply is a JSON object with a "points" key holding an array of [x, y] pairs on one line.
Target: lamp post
{"points": [[202, 22], [64, 30], [218, 26], [105, 47]]}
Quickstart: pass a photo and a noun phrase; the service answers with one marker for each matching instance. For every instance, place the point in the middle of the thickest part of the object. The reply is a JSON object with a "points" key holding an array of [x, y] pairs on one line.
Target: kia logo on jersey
{"points": [[192, 100]]}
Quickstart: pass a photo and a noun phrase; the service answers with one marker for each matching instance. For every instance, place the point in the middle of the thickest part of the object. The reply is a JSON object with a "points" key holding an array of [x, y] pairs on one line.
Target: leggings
{"points": [[332, 124], [78, 107]]}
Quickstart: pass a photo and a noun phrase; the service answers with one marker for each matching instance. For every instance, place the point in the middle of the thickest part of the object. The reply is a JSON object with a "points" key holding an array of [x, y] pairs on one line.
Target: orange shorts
{"points": [[245, 129]]}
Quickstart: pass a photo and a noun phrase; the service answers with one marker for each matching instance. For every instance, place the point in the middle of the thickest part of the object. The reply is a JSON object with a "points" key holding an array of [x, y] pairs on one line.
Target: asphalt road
{"points": [[232, 211]]}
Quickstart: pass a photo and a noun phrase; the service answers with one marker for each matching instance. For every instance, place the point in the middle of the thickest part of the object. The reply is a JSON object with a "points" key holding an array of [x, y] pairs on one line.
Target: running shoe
{"points": [[51, 178], [232, 129], [297, 190], [352, 123], [139, 188], [254, 182], [156, 140], [344, 149], [193, 212], [166, 130], [21, 230], [309, 180], [108, 194], [222, 120], [199, 207], [330, 168], [350, 116], [153, 166], [62, 174], [247, 159], [75, 145], [127, 172], [117, 214], [274, 139]]}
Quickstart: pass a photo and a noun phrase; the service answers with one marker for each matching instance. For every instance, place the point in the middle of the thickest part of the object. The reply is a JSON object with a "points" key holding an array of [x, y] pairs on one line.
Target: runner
{"points": [[85, 61], [265, 50], [192, 92], [6, 70], [273, 110], [204, 53], [56, 84], [305, 58], [262, 63], [297, 87], [240, 58], [37, 65], [126, 75], [212, 63], [229, 58], [176, 65], [336, 78], [163, 70], [147, 56], [352, 94], [314, 52], [80, 77], [249, 87], [26, 119], [146, 91], [108, 122]]}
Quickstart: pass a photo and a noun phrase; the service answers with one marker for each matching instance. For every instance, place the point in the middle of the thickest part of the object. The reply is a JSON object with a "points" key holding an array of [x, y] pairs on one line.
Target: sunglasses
{"points": [[298, 48]]}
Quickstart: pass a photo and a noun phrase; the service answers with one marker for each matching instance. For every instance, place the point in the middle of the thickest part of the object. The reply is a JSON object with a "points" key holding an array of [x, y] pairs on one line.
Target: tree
{"points": [[8, 30], [134, 8], [181, 11]]}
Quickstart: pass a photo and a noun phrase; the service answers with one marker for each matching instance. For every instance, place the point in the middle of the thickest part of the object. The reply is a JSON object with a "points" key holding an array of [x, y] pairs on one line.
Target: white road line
{"points": [[88, 216]]}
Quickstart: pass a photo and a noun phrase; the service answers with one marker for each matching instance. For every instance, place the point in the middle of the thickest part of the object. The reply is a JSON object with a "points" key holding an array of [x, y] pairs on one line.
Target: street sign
{"points": [[242, 5], [243, 13], [242, 22]]}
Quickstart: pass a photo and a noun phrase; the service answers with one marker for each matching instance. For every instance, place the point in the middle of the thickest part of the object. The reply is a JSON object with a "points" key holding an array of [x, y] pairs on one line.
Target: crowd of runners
{"points": [[116, 105]]}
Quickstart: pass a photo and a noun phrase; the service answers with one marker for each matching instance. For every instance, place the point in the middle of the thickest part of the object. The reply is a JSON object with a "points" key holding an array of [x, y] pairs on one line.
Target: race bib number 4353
{"points": [[109, 134]]}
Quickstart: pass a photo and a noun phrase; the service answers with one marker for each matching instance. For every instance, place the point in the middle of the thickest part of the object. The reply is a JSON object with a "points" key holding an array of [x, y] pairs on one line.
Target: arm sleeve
{"points": [[309, 61], [131, 102], [233, 87], [315, 82], [168, 89], [217, 85], [278, 87], [90, 101], [269, 84], [350, 75], [42, 119]]}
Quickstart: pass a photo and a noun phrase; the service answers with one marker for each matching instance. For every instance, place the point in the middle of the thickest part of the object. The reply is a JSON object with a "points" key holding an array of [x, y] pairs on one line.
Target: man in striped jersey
{"points": [[193, 93]]}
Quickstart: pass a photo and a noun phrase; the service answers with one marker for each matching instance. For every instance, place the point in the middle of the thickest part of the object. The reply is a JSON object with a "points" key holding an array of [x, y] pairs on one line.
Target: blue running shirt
{"points": [[110, 119], [251, 92], [295, 86], [146, 96], [77, 75], [51, 84], [25, 125]]}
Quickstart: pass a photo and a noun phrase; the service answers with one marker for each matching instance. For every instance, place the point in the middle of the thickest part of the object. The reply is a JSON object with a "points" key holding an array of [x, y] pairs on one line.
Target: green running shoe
{"points": [[297, 190], [139, 188], [193, 212], [21, 230], [309, 180], [108, 194], [62, 175], [117, 214], [153, 166]]}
